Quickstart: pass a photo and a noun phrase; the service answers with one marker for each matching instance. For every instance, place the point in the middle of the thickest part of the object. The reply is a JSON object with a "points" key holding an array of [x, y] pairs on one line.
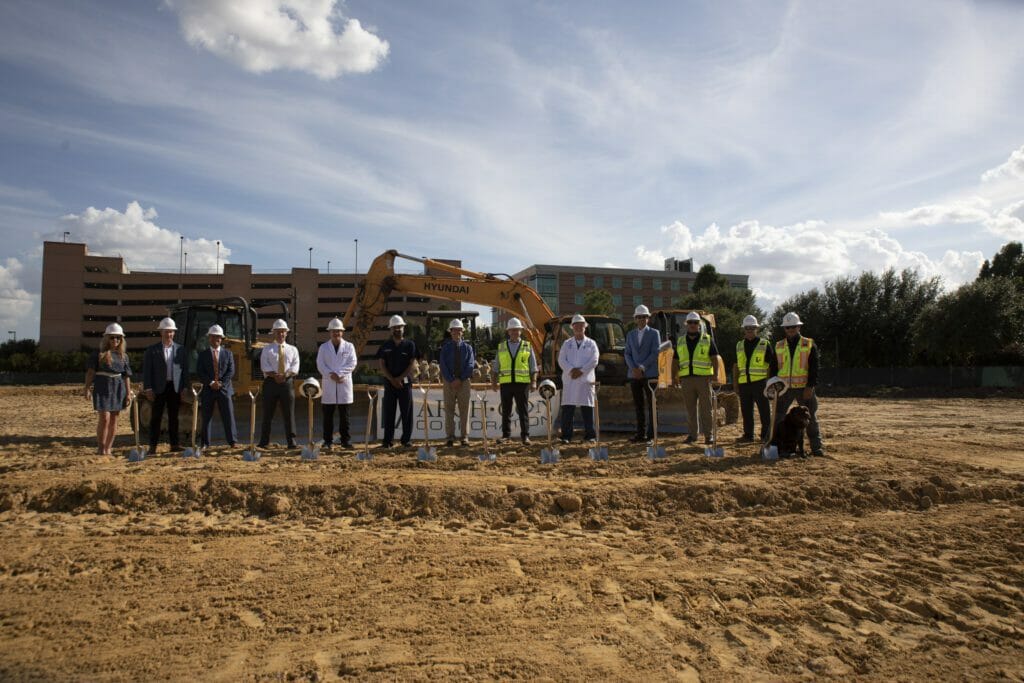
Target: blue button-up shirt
{"points": [[447, 360]]}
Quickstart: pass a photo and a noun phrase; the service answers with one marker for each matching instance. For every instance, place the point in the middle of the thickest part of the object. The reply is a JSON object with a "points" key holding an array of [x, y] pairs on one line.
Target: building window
{"points": [[658, 302], [335, 285], [638, 283], [598, 282], [578, 300], [203, 285], [271, 285], [616, 283], [617, 300], [674, 286], [545, 284], [657, 283], [102, 285], [581, 281], [637, 300]]}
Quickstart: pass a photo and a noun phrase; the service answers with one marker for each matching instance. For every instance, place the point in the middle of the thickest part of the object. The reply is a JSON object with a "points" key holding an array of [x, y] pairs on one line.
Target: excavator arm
{"points": [[458, 284]]}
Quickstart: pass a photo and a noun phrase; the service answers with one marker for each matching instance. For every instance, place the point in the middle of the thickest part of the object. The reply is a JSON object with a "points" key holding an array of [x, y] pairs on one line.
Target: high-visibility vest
{"points": [[758, 368], [519, 366], [701, 356], [794, 368]]}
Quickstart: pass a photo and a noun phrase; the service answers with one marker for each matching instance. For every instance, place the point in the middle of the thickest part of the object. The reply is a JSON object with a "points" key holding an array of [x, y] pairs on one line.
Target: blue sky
{"points": [[794, 141]]}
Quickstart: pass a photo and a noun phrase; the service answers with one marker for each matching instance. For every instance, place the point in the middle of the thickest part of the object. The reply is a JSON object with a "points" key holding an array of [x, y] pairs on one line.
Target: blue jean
{"points": [[568, 412]]}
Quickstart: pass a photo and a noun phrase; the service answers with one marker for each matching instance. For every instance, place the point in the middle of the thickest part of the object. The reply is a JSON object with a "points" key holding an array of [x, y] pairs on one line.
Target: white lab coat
{"points": [[579, 391], [343, 362]]}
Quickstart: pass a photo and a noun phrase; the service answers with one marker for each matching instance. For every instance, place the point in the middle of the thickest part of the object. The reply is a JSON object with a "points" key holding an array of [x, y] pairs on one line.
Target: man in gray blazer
{"points": [[164, 376]]}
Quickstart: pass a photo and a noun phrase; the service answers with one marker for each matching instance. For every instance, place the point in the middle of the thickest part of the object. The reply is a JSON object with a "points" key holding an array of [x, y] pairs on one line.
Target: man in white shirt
{"points": [[279, 362]]}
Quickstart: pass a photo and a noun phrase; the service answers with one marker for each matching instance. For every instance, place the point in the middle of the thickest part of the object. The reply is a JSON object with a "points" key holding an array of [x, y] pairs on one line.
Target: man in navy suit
{"points": [[164, 376], [215, 368], [642, 345]]}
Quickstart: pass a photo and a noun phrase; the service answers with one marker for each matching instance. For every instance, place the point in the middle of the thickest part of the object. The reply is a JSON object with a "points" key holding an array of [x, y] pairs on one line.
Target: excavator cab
{"points": [[671, 323], [610, 335], [435, 331]]}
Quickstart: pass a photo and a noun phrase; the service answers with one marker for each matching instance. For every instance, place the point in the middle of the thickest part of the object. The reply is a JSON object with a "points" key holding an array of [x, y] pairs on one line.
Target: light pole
{"points": [[66, 236], [216, 268], [13, 334], [357, 255], [311, 258], [181, 252], [328, 267], [185, 266]]}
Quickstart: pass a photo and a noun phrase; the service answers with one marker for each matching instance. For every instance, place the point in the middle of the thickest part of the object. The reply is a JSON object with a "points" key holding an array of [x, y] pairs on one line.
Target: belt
{"points": [[108, 374]]}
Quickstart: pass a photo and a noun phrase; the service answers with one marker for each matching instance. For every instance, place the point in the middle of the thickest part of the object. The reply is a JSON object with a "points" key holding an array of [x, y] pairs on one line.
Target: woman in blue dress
{"points": [[108, 383]]}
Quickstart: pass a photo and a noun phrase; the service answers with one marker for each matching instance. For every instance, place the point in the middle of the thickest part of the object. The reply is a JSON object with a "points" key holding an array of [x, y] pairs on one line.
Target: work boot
{"points": [[449, 443]]}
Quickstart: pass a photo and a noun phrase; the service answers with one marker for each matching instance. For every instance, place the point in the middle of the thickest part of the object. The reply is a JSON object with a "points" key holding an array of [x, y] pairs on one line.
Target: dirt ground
{"points": [[898, 556]]}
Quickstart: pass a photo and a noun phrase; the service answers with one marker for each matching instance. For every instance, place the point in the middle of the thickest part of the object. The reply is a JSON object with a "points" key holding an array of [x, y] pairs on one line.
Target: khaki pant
{"points": [[461, 396], [697, 393]]}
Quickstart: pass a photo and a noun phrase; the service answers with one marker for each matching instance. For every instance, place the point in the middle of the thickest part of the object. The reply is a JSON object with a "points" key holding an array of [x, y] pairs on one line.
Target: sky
{"points": [[796, 142]]}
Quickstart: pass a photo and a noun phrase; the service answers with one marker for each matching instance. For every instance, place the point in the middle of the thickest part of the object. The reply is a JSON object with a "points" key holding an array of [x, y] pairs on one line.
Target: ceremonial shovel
{"points": [[549, 455], [426, 452], [192, 451], [365, 454], [597, 452], [137, 454], [485, 456], [312, 391], [252, 455], [772, 389], [654, 451], [713, 450]]}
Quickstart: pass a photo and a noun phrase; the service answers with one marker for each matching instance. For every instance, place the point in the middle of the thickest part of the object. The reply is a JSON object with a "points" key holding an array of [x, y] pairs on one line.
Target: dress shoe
{"points": [[690, 439], [526, 441], [449, 443]]}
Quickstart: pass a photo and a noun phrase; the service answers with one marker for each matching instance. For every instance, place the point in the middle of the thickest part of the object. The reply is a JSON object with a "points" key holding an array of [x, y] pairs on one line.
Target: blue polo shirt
{"points": [[397, 357]]}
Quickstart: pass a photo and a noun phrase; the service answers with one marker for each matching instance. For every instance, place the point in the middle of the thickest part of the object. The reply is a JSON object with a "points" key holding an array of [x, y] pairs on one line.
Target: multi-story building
{"points": [[83, 293], [564, 287]]}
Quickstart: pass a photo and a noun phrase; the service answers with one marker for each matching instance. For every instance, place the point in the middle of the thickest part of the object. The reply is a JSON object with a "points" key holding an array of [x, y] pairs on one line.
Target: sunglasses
{"points": [[692, 322], [790, 327], [116, 338]]}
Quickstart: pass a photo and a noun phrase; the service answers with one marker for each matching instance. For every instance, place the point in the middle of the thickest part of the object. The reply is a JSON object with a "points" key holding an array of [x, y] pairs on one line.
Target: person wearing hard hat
{"points": [[695, 355], [279, 362], [578, 357], [215, 368], [515, 376], [336, 360], [164, 378], [755, 364], [396, 364], [642, 344], [108, 383], [797, 357], [457, 360]]}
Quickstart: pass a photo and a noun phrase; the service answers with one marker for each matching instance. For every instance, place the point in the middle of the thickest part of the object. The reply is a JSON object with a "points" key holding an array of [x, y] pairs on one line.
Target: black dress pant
{"points": [[401, 399], [170, 399], [751, 394], [222, 401], [343, 435], [520, 393], [644, 407], [273, 394]]}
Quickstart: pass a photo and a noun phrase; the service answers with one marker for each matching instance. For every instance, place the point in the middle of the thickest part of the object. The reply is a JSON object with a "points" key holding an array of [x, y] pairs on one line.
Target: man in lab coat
{"points": [[578, 358], [336, 360]]}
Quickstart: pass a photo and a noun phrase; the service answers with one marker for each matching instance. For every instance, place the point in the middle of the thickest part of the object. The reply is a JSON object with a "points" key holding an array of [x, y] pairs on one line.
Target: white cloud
{"points": [[143, 244], [1006, 223], [15, 301], [265, 35], [783, 261], [1011, 168]]}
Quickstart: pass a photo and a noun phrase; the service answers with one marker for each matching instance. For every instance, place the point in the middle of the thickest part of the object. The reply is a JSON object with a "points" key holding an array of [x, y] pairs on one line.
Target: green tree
{"points": [[598, 302], [1009, 262], [708, 278], [729, 305], [978, 323]]}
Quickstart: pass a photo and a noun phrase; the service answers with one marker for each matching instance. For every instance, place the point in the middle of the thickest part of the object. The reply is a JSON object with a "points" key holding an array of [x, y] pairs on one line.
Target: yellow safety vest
{"points": [[701, 356], [758, 369], [520, 364], [794, 369]]}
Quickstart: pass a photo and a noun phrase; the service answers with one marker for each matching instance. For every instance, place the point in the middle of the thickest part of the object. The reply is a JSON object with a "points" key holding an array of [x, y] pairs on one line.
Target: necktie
{"points": [[280, 359], [458, 361], [216, 367]]}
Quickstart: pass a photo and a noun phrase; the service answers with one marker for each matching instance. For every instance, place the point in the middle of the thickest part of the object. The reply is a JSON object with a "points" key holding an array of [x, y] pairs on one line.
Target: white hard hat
{"points": [[167, 324], [578, 319], [396, 321], [279, 325], [217, 330], [336, 324], [456, 324], [113, 328], [692, 315], [641, 310], [514, 324], [310, 388], [750, 321], [774, 387], [791, 320]]}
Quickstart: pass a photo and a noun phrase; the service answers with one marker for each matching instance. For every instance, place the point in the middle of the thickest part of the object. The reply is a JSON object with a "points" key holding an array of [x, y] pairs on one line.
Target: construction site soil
{"points": [[897, 556]]}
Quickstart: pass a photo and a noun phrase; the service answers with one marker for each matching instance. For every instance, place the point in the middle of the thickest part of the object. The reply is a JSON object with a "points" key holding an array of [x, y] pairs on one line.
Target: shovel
{"points": [[549, 455], [713, 450], [597, 451], [311, 389], [137, 454], [365, 455], [252, 455], [193, 451], [769, 451], [485, 456], [426, 452], [654, 451]]}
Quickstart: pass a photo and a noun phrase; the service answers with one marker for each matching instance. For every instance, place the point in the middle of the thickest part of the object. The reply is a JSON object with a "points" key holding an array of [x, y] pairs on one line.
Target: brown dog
{"points": [[789, 434]]}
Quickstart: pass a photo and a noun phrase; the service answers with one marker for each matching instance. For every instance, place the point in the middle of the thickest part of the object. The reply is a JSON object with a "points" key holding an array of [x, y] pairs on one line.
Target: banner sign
{"points": [[435, 415]]}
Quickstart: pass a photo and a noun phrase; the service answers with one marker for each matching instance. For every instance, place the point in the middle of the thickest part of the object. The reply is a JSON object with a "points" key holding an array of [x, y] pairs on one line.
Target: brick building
{"points": [[83, 293]]}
